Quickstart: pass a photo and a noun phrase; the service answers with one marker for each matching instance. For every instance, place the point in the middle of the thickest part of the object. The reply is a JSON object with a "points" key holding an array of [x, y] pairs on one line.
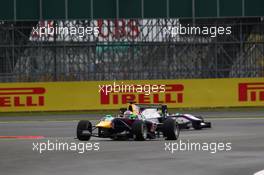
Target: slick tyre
{"points": [[139, 130], [171, 129], [84, 130]]}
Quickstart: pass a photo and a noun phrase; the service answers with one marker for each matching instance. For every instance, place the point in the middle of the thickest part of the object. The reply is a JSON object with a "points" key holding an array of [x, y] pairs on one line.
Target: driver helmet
{"points": [[159, 111], [108, 116], [127, 114]]}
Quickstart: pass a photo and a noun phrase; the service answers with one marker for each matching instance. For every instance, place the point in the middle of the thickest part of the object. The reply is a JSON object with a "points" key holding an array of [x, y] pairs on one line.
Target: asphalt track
{"points": [[131, 157]]}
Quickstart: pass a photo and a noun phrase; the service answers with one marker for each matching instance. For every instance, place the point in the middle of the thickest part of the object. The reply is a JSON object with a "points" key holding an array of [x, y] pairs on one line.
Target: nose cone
{"points": [[104, 124]]}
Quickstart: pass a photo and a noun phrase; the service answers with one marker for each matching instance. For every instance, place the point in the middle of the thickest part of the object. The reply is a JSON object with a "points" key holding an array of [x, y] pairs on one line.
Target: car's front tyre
{"points": [[171, 129], [84, 130], [139, 130]]}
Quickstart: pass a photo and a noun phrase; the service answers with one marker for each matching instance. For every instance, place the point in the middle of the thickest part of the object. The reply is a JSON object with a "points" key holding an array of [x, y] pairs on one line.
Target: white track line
{"points": [[259, 172]]}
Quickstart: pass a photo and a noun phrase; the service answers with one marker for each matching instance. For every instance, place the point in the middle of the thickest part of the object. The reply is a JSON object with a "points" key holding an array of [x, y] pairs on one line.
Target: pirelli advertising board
{"points": [[63, 96]]}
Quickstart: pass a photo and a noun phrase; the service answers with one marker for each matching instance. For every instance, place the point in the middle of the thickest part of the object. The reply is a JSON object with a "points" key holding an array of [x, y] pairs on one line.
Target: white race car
{"points": [[187, 121]]}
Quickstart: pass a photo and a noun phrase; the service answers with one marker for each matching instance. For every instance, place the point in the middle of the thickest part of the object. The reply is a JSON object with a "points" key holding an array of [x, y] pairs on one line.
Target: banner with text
{"points": [[97, 95]]}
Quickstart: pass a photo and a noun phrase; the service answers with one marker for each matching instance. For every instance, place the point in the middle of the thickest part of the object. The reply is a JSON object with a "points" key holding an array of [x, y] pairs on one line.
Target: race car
{"points": [[187, 121], [138, 122]]}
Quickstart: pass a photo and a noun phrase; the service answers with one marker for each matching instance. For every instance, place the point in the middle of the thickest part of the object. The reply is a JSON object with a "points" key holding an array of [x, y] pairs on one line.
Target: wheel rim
{"points": [[176, 132]]}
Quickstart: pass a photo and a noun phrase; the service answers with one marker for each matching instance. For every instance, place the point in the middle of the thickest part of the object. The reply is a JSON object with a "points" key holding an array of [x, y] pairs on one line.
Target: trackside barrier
{"points": [[63, 96]]}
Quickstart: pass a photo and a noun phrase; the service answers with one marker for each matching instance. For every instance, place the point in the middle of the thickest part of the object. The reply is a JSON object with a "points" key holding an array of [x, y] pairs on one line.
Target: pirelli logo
{"points": [[251, 92], [173, 94], [22, 97]]}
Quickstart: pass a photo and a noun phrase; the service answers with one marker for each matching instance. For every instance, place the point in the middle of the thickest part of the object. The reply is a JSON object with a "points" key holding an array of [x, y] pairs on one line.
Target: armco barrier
{"points": [[62, 96]]}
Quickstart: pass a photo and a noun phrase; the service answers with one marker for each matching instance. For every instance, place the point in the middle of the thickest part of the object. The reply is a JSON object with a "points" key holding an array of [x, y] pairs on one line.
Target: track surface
{"points": [[130, 157]]}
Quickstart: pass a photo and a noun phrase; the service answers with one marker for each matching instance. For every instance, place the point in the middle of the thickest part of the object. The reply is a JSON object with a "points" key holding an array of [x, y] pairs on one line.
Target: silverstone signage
{"points": [[196, 93]]}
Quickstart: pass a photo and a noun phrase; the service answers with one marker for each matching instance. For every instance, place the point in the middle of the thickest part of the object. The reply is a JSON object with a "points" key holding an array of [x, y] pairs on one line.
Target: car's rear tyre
{"points": [[84, 130], [139, 130], [171, 129]]}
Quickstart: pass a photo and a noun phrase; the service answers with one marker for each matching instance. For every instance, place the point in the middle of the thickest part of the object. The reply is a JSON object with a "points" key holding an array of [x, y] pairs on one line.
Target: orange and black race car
{"points": [[137, 121]]}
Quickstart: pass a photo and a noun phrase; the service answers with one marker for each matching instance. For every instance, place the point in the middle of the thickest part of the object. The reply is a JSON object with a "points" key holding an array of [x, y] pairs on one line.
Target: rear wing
{"points": [[161, 107], [158, 106], [130, 107], [142, 105]]}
